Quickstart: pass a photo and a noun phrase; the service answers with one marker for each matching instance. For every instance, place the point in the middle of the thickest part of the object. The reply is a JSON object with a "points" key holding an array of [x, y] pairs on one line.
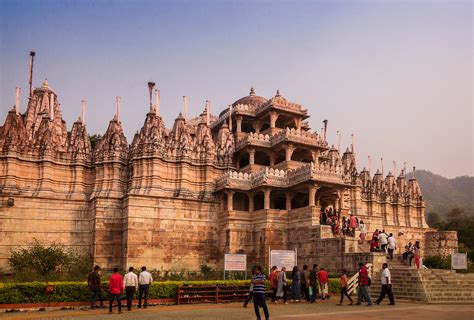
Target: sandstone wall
{"points": [[48, 203], [440, 243]]}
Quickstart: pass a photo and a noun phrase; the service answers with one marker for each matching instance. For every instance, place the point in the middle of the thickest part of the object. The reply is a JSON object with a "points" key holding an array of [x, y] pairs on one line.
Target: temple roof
{"points": [[252, 99]]}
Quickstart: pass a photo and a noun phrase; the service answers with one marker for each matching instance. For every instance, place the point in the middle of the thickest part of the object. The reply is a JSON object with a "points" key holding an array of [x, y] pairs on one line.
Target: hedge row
{"points": [[34, 292]]}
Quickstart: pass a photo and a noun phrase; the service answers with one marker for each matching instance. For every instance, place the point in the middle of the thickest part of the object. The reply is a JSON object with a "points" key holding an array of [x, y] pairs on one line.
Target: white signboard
{"points": [[459, 261], [235, 262], [283, 258]]}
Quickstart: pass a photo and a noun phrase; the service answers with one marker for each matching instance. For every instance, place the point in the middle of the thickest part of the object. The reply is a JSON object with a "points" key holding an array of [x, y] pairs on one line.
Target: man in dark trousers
{"points": [[95, 288], [386, 286], [313, 281], [144, 280], [258, 281], [363, 285]]}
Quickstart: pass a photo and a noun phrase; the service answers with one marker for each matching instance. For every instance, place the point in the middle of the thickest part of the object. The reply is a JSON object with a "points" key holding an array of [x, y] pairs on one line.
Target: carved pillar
{"points": [[315, 157], [288, 201], [230, 200], [272, 157], [273, 119], [312, 194], [251, 206], [251, 156], [239, 124], [257, 125], [266, 202], [289, 152], [298, 124]]}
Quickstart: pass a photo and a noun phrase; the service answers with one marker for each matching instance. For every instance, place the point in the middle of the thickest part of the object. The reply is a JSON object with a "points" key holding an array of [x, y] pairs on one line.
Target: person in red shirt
{"points": [[323, 279], [115, 290], [363, 285], [274, 282]]}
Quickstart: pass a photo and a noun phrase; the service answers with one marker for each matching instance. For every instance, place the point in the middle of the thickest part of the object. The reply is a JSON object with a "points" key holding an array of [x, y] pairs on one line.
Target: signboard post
{"points": [[235, 262], [283, 258], [458, 261]]}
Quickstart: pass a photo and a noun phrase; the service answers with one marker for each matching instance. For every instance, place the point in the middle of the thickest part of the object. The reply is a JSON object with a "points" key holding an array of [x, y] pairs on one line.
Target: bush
{"points": [[48, 262], [34, 292], [437, 262]]}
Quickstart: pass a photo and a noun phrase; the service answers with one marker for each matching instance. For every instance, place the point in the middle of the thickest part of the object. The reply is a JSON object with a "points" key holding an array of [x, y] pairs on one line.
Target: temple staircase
{"points": [[425, 285]]}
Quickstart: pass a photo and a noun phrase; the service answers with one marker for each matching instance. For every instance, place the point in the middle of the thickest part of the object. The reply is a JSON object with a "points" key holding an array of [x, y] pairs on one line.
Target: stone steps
{"points": [[429, 285]]}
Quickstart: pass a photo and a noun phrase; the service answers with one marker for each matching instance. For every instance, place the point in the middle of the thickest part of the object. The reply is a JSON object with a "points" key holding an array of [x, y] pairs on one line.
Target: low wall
{"points": [[440, 243]]}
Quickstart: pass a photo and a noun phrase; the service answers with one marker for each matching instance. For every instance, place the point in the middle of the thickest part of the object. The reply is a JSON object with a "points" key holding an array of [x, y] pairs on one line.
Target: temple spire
{"points": [[30, 76], [117, 112], [381, 162], [208, 112], [83, 112], [325, 129], [151, 85], [394, 167], [369, 162], [185, 100], [17, 100]]}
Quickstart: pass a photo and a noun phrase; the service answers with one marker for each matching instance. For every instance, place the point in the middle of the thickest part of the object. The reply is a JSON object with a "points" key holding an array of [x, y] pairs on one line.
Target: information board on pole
{"points": [[459, 261], [235, 262], [283, 258]]}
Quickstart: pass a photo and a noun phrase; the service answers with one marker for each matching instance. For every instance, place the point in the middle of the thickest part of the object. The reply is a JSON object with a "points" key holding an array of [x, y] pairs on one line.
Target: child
{"points": [[344, 281]]}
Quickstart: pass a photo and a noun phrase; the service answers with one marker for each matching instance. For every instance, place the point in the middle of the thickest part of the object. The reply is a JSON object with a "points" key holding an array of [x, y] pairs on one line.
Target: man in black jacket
{"points": [[95, 287]]}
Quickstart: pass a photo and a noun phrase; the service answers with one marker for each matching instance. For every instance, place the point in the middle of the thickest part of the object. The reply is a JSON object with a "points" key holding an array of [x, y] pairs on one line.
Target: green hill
{"points": [[442, 194]]}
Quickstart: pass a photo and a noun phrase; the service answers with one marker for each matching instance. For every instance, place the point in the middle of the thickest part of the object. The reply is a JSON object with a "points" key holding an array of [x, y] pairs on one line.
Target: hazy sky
{"points": [[397, 74]]}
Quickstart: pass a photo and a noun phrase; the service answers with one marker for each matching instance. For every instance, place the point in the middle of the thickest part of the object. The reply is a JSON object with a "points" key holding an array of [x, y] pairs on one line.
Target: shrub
{"points": [[47, 262], [34, 292], [437, 262]]}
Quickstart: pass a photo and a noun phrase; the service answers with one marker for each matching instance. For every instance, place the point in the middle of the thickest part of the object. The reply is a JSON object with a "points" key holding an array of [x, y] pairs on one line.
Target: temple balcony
{"points": [[280, 136], [321, 174]]}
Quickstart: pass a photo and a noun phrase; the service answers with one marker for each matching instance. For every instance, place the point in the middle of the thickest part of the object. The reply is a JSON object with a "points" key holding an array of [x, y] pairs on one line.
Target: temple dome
{"points": [[252, 99]]}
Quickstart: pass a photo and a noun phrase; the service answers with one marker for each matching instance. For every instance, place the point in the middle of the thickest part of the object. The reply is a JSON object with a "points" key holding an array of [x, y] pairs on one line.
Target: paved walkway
{"points": [[234, 311]]}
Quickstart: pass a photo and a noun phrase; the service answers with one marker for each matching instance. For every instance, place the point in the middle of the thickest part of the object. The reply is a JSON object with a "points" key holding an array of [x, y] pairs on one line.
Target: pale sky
{"points": [[397, 74]]}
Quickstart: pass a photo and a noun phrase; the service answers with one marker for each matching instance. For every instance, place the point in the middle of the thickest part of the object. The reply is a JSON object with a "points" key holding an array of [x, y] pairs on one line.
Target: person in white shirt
{"points": [[383, 240], [392, 245], [145, 281], [130, 284], [386, 286]]}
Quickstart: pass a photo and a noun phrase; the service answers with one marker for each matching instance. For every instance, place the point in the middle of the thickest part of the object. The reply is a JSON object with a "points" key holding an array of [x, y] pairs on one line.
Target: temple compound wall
{"points": [[253, 179]]}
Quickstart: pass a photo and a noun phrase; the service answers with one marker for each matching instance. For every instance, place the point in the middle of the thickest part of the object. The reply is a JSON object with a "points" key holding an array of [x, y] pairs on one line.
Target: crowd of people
{"points": [[345, 226], [308, 285], [129, 283], [380, 241]]}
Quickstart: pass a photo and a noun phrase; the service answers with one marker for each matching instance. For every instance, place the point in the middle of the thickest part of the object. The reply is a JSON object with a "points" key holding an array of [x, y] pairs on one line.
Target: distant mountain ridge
{"points": [[442, 194]]}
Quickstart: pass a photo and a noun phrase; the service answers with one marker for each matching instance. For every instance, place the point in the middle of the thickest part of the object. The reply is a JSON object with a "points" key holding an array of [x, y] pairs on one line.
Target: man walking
{"points": [[386, 286], [391, 245], [274, 282], [383, 241], [144, 282], [95, 287], [258, 281], [313, 281], [130, 282], [115, 290], [304, 276], [363, 285]]}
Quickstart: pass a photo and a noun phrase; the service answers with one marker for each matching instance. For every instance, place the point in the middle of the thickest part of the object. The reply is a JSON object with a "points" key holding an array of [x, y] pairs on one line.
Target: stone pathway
{"points": [[234, 311]]}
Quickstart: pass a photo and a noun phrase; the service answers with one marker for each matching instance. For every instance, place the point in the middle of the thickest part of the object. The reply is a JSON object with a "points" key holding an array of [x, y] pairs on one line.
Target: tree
{"points": [[42, 260], [94, 139]]}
